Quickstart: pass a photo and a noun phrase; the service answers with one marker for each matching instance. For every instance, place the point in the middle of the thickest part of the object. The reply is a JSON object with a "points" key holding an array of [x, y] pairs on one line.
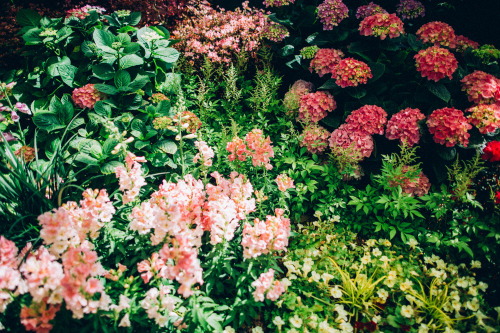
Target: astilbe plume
{"points": [[130, 177], [463, 43], [491, 152], [259, 148], [265, 236], [284, 182], [381, 25], [331, 13], [369, 10], [275, 32], [205, 155], [414, 186], [435, 63], [481, 88], [486, 117], [351, 73], [315, 106], [368, 118], [292, 97], [359, 143], [404, 126], [449, 127], [315, 139], [410, 9], [437, 33], [87, 96], [325, 61], [277, 3], [267, 287]]}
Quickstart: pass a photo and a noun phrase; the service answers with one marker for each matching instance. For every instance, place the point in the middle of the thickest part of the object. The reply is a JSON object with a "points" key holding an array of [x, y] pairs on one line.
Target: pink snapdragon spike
{"points": [[266, 236], [369, 10], [14, 116], [437, 33], [159, 304], [11, 282], [410, 9], [348, 138], [130, 177], [449, 127], [267, 287], [315, 106], [237, 149], [481, 88], [436, 63], [331, 13], [326, 61], [277, 3], [87, 96], [486, 117], [351, 73], [150, 268], [284, 182], [6, 89], [382, 25], [315, 139], [415, 187], [259, 148], [8, 137], [403, 126], [21, 107], [369, 118], [205, 155], [463, 43]]}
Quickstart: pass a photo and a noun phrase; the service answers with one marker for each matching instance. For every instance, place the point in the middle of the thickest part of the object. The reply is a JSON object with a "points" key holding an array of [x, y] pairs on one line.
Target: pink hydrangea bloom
{"points": [[449, 126], [315, 106], [277, 3], [382, 25], [437, 33], [205, 154], [481, 88], [404, 126], [84, 11], [37, 316], [189, 121], [87, 96], [435, 63], [266, 284], [463, 43], [326, 61], [410, 9], [315, 138], [369, 10], [284, 182], [359, 143], [352, 72], [130, 177], [414, 186], [331, 13], [369, 118], [292, 97], [491, 152], [259, 148], [486, 117], [275, 32]]}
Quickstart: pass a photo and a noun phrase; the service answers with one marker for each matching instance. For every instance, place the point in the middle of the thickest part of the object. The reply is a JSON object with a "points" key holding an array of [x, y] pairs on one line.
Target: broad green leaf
{"points": [[122, 79], [28, 17], [47, 121], [106, 88], [110, 167], [86, 159], [67, 73], [123, 38], [32, 36], [130, 60], [132, 48], [439, 90], [134, 18], [109, 145], [103, 71], [139, 82], [167, 146], [102, 109], [330, 84], [103, 39], [377, 69], [138, 125]]}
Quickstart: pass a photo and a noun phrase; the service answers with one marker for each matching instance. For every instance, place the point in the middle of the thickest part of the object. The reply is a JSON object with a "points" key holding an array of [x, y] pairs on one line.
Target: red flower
{"points": [[491, 152], [497, 198], [449, 126], [435, 63]]}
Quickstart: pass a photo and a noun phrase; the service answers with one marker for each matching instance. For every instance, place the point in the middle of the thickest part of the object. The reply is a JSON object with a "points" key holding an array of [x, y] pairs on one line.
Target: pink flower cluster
{"points": [[159, 305], [37, 316], [369, 119], [130, 177], [486, 117], [189, 121], [369, 10], [84, 11], [435, 63], [11, 283], [69, 225], [410, 9], [463, 43], [205, 155], [352, 72], [292, 97], [326, 61], [382, 25], [150, 268], [491, 152], [437, 33], [315, 106], [255, 146], [266, 236], [414, 186], [481, 88], [277, 3], [315, 138], [237, 148], [87, 96], [284, 182], [275, 32], [404, 126], [267, 287], [331, 13], [359, 144], [449, 126]]}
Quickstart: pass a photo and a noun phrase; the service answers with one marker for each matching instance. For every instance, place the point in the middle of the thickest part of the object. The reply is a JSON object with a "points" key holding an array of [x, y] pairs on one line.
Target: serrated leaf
{"points": [[109, 145], [134, 18], [107, 89], [86, 159], [122, 79], [139, 82], [330, 84], [102, 109], [103, 71], [28, 17], [167, 54], [67, 73], [439, 90], [103, 39], [47, 121], [167, 146], [132, 48], [137, 125], [130, 60]]}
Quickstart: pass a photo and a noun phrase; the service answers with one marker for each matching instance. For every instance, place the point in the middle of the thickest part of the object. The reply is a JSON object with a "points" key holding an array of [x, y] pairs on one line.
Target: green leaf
{"points": [[102, 109], [67, 73], [28, 17], [106, 88], [103, 71], [330, 84], [109, 145], [103, 39], [132, 48], [377, 70], [439, 90], [130, 60], [286, 50], [123, 38], [134, 18], [32, 36], [139, 82], [356, 92], [168, 54], [392, 233], [127, 29], [86, 159], [167, 146], [47, 121], [65, 112], [122, 79], [138, 125], [163, 109]]}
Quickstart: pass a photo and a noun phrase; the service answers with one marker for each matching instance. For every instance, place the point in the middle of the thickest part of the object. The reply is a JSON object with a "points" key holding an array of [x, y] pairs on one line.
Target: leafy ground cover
{"points": [[305, 166]]}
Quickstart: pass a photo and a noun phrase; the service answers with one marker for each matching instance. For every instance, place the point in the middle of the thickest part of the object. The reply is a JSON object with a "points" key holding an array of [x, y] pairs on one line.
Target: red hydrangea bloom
{"points": [[292, 97], [404, 126], [277, 3], [87, 96], [437, 33], [369, 119], [410, 9], [481, 87], [491, 152], [463, 43], [435, 63], [369, 10], [382, 25], [314, 106], [347, 138], [331, 13], [275, 32], [189, 121], [414, 186], [449, 126], [352, 72], [486, 117], [325, 61], [315, 138]]}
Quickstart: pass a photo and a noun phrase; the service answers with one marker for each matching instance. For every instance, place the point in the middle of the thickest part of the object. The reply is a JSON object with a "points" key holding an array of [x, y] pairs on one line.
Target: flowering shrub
{"points": [[347, 138], [486, 117], [410, 9], [369, 10], [266, 284], [130, 178], [381, 25], [404, 126], [84, 11], [292, 97], [87, 96], [351, 73], [314, 106], [449, 127], [315, 139], [414, 186], [331, 13], [275, 32], [205, 154], [369, 119], [326, 61], [437, 33], [277, 3], [435, 63], [463, 43], [481, 87], [491, 152]]}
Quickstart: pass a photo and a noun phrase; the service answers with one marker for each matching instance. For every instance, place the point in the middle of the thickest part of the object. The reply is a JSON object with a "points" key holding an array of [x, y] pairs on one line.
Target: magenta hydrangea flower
{"points": [[437, 33], [359, 143], [87, 96], [325, 61], [435, 63], [315, 106], [481, 88], [331, 13], [410, 9], [382, 25], [404, 126], [369, 10], [315, 139], [369, 119], [449, 127], [292, 97], [351, 73]]}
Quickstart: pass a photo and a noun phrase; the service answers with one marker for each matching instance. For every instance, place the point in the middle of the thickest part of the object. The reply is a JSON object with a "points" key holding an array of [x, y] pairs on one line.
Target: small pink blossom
{"points": [[284, 182], [205, 154], [267, 287]]}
